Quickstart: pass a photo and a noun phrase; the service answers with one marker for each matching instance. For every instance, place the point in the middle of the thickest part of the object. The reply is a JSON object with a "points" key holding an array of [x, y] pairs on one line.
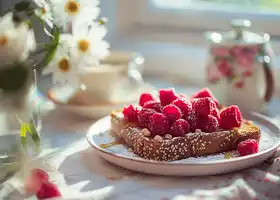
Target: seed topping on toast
{"points": [[173, 126]]}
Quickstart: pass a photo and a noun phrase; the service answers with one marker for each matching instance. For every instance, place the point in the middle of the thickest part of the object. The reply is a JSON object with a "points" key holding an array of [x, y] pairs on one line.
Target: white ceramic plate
{"points": [[118, 154], [97, 111]]}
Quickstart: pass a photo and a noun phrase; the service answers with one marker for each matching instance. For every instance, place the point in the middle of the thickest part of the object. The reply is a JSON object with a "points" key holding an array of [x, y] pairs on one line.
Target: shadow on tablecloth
{"points": [[111, 182]]}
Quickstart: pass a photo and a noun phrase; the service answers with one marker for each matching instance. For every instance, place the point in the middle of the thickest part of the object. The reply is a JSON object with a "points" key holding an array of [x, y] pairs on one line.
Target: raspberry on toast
{"points": [[176, 127], [192, 145]]}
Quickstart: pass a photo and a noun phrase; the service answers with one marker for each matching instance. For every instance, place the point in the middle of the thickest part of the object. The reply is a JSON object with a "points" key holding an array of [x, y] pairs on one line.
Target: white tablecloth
{"points": [[80, 174]]}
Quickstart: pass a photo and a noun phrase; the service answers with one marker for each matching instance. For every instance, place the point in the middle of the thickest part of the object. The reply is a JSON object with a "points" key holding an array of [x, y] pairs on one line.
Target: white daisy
{"points": [[87, 45], [64, 69], [26, 41], [16, 41], [7, 21], [44, 11], [66, 11]]}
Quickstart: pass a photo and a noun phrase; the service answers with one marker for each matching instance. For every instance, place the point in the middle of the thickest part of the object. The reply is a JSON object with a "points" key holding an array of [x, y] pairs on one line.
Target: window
{"points": [[235, 5], [170, 32], [168, 19]]}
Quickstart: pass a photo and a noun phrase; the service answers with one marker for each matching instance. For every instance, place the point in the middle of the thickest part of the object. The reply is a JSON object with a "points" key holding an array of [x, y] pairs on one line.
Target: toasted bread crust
{"points": [[192, 145]]}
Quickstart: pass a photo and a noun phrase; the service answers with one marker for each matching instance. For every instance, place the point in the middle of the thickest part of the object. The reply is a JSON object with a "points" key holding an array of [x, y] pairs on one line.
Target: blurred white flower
{"points": [[16, 40], [44, 11], [7, 21], [87, 44], [66, 11], [64, 69]]}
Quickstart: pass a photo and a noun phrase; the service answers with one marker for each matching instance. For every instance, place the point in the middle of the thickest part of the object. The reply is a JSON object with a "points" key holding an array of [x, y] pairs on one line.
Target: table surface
{"points": [[81, 174]]}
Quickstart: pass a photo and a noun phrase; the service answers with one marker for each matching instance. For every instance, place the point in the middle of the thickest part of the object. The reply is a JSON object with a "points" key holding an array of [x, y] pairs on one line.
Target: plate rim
{"points": [[204, 163]]}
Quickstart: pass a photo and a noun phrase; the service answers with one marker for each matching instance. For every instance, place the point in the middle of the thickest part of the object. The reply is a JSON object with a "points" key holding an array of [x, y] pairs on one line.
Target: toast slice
{"points": [[177, 148]]}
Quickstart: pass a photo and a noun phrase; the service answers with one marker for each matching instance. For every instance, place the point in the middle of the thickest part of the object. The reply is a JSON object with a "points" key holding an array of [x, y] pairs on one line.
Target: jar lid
{"points": [[239, 34]]}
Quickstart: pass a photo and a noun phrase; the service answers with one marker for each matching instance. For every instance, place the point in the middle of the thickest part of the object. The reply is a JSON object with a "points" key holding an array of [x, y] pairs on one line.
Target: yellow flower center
{"points": [[43, 10], [83, 45], [72, 7], [3, 40], [64, 65]]}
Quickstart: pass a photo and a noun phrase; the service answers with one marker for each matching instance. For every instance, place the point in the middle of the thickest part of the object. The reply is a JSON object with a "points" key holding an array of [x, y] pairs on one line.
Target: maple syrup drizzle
{"points": [[228, 155], [107, 145]]}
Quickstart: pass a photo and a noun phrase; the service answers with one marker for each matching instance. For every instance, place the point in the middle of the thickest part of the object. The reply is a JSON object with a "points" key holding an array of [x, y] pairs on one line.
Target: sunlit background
{"points": [[170, 34], [269, 6]]}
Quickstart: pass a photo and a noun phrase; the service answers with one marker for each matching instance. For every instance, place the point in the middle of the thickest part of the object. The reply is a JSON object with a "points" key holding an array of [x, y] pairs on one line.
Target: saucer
{"points": [[60, 97]]}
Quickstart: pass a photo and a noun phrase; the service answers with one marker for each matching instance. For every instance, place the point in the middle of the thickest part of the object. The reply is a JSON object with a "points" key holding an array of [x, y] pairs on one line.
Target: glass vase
{"points": [[16, 142]]}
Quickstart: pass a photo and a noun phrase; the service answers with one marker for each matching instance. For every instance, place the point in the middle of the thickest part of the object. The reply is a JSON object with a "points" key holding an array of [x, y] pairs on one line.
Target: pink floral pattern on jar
{"points": [[219, 52], [247, 73], [224, 67], [235, 51], [249, 51], [213, 75], [239, 84], [245, 61], [233, 62], [245, 55]]}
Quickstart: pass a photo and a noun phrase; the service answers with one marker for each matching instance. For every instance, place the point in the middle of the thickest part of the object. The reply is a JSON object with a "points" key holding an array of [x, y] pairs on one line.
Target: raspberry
{"points": [[204, 106], [194, 121], [172, 112], [131, 113], [144, 115], [145, 97], [209, 124], [216, 114], [179, 128], [182, 96], [47, 191], [40, 175], [33, 182], [248, 147], [205, 92], [153, 105], [166, 96], [158, 124], [184, 106], [230, 117]]}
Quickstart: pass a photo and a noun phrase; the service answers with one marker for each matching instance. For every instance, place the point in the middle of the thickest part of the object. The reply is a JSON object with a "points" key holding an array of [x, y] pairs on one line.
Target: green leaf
{"points": [[56, 34], [31, 129], [21, 6], [23, 136], [50, 54], [52, 48], [23, 143], [22, 130], [29, 23]]}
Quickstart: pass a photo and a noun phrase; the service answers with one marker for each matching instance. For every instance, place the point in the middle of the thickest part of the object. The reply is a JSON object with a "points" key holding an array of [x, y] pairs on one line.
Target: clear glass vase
{"points": [[10, 148], [13, 126]]}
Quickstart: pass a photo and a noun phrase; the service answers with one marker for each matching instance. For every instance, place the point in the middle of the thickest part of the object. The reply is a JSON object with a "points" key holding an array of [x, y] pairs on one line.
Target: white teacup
{"points": [[116, 76]]}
